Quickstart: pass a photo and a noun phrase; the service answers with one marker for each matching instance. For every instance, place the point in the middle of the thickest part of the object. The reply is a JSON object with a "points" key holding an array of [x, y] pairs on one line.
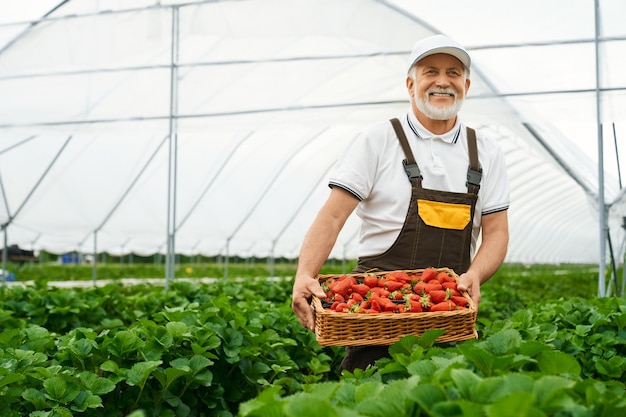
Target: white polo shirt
{"points": [[371, 169]]}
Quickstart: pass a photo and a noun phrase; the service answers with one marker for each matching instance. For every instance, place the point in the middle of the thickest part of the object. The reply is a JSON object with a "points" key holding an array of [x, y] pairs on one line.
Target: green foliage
{"points": [[593, 331], [123, 349], [516, 287], [138, 267], [502, 375], [546, 347]]}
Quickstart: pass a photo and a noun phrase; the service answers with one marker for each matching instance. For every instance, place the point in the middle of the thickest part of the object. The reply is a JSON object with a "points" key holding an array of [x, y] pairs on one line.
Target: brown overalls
{"points": [[437, 232]]}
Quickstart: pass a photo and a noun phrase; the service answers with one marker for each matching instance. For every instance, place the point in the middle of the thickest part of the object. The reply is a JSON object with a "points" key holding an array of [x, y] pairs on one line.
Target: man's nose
{"points": [[443, 80]]}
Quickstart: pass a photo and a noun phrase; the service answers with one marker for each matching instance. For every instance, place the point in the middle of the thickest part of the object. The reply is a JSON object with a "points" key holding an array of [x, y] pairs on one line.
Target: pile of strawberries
{"points": [[394, 292]]}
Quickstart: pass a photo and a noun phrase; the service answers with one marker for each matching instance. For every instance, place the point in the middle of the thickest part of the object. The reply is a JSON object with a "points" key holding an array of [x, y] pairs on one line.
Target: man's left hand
{"points": [[470, 282]]}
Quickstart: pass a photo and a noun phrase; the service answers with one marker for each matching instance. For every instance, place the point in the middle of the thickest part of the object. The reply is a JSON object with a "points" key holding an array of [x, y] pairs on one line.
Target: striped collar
{"points": [[452, 136]]}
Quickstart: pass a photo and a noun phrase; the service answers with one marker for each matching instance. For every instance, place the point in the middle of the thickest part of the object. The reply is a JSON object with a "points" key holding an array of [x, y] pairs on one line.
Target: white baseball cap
{"points": [[438, 44]]}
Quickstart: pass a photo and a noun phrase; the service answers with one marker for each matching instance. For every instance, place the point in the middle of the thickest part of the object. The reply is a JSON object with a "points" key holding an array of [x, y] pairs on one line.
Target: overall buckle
{"points": [[474, 177], [412, 170]]}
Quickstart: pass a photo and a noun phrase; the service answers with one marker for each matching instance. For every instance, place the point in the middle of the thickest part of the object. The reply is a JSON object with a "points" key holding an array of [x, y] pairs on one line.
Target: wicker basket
{"points": [[353, 329]]}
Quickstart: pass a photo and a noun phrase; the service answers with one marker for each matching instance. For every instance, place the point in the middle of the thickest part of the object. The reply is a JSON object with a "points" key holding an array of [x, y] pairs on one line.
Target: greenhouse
{"points": [[210, 127], [176, 130]]}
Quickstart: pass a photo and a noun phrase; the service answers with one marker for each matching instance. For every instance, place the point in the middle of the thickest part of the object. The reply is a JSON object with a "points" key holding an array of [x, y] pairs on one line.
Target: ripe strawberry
{"points": [[458, 300], [380, 292], [387, 305], [449, 284], [419, 288], [437, 296], [433, 286], [342, 307], [371, 281], [401, 276], [354, 308], [343, 285], [356, 297], [452, 292], [394, 285], [413, 306], [396, 295], [361, 289], [429, 274], [444, 276], [447, 305]]}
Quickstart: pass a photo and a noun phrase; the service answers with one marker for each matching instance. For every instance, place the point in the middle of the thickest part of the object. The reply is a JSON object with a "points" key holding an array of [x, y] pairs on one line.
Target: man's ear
{"points": [[409, 85], [467, 85]]}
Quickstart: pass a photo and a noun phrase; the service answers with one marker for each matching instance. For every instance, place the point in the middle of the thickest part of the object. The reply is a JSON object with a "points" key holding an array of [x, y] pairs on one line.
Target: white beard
{"points": [[438, 113]]}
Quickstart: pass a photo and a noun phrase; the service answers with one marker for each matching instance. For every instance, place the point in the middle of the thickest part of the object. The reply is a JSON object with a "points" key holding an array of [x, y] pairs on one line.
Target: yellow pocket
{"points": [[444, 215]]}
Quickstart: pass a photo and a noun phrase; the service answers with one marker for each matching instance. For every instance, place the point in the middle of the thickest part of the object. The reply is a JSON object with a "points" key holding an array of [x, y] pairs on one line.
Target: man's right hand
{"points": [[303, 289], [316, 247]]}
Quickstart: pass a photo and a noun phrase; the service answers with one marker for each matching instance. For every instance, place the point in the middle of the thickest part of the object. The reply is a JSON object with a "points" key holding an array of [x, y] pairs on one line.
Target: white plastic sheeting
{"points": [[111, 111]]}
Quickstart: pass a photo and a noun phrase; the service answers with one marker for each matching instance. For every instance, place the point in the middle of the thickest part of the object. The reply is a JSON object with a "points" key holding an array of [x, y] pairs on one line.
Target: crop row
{"points": [[191, 350], [235, 348]]}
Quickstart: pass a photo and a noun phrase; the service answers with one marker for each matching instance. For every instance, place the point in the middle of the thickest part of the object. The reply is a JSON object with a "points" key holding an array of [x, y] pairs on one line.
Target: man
{"points": [[424, 187]]}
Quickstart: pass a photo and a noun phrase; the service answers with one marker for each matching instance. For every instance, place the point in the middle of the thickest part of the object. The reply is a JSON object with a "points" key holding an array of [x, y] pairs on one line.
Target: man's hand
{"points": [[470, 282], [490, 254], [303, 289], [316, 247]]}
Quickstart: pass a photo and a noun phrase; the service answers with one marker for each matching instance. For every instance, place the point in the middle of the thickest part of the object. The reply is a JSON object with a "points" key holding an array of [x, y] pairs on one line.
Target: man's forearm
{"points": [[322, 235], [316, 247], [493, 248], [489, 257]]}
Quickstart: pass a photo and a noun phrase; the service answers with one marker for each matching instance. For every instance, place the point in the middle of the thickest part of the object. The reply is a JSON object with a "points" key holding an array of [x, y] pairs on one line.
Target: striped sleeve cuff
{"points": [[332, 184]]}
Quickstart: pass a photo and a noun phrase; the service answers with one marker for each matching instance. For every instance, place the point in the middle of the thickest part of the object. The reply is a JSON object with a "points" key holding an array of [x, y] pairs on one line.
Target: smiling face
{"points": [[437, 89]]}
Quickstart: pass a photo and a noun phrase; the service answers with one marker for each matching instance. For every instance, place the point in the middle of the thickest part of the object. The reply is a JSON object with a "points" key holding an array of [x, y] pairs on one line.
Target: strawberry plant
{"points": [[592, 331], [545, 347], [500, 376], [191, 348]]}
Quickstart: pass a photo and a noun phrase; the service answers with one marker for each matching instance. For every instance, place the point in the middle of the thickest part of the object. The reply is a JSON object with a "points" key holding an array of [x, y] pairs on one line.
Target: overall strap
{"points": [[474, 171], [410, 166]]}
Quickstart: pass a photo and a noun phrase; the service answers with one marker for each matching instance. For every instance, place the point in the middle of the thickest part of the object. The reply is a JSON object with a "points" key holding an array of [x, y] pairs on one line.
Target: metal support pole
{"points": [[227, 256], [170, 261], [4, 254], [622, 293], [602, 226], [94, 267], [271, 260]]}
